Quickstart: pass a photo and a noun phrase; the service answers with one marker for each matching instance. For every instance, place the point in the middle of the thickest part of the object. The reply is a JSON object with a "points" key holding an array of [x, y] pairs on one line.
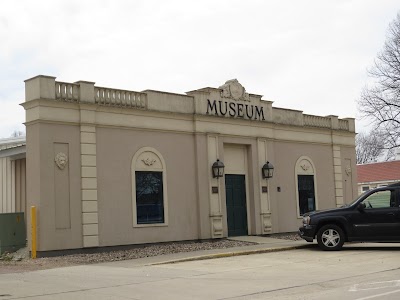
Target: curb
{"points": [[230, 254]]}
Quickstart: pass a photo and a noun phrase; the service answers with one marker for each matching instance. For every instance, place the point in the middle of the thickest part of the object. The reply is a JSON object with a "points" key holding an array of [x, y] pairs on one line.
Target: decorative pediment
{"points": [[304, 166], [234, 90], [148, 160]]}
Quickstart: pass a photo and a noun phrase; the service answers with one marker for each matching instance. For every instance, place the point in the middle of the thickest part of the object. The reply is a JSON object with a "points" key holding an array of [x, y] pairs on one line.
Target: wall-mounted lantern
{"points": [[267, 170], [218, 169]]}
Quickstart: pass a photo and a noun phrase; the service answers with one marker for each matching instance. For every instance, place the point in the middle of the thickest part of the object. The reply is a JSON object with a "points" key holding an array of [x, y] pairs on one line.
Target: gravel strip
{"points": [[293, 236], [20, 261]]}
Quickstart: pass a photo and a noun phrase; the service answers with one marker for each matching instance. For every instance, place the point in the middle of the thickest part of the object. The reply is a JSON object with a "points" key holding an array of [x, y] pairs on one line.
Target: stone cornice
{"points": [[208, 102]]}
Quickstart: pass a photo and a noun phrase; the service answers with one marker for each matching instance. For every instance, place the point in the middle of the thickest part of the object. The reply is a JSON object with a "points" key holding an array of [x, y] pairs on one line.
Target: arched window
{"points": [[149, 188], [305, 185]]}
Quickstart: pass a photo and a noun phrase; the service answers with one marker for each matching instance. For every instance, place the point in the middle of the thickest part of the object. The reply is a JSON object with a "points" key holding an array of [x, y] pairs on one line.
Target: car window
{"points": [[357, 199], [380, 199]]}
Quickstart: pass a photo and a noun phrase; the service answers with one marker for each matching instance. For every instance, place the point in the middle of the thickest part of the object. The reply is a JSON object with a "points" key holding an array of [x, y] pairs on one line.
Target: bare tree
{"points": [[380, 101], [17, 133], [369, 147]]}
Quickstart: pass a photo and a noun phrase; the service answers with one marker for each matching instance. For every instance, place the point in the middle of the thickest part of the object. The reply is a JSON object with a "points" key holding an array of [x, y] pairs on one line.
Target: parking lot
{"points": [[359, 271]]}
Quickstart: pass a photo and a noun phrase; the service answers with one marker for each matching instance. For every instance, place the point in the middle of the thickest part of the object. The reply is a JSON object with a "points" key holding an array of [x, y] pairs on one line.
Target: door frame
{"points": [[245, 148]]}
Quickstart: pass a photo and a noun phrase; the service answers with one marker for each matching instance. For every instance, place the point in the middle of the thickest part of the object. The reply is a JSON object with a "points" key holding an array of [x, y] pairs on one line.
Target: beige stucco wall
{"points": [[284, 203], [349, 174], [89, 203], [58, 214], [115, 150]]}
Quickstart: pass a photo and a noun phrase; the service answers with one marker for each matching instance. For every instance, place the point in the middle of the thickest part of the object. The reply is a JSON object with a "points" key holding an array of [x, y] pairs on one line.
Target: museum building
{"points": [[107, 167]]}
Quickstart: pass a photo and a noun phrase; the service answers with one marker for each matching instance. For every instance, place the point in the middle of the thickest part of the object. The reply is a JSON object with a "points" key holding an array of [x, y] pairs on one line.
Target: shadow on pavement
{"points": [[360, 247]]}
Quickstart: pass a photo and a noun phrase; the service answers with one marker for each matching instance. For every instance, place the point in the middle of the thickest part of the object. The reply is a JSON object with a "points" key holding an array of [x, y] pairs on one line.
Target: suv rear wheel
{"points": [[330, 237]]}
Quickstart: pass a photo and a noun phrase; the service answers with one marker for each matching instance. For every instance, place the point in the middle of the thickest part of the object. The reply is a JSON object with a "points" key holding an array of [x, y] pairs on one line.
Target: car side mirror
{"points": [[361, 206]]}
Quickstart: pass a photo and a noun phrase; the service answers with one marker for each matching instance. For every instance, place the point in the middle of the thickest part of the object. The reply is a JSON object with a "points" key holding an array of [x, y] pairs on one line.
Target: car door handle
{"points": [[390, 214]]}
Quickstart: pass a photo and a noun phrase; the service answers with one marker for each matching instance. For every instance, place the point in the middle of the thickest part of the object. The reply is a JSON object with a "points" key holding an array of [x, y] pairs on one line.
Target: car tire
{"points": [[330, 237]]}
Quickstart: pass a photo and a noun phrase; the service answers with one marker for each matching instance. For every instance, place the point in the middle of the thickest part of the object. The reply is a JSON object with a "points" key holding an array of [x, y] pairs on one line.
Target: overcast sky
{"points": [[305, 55]]}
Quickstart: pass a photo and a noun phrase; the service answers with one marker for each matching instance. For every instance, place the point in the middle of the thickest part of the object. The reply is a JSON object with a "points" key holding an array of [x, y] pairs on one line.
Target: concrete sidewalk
{"points": [[263, 245]]}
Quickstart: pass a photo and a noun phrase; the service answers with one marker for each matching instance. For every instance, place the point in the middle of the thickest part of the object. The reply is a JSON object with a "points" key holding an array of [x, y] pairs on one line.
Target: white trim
{"points": [[298, 170], [378, 182], [12, 207], [157, 168], [9, 186]]}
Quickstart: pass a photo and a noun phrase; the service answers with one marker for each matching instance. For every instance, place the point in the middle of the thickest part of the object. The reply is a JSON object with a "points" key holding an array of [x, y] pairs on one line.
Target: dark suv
{"points": [[373, 217]]}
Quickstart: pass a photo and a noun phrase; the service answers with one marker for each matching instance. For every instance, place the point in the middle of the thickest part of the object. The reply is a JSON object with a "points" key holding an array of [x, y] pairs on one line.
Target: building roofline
{"points": [[12, 140]]}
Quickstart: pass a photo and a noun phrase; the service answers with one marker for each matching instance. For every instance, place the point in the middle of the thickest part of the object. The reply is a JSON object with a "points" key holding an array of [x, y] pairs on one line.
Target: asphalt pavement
{"points": [[358, 272]]}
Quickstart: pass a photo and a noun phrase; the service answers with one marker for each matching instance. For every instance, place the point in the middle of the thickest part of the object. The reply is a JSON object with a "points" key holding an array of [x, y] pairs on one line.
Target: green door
{"points": [[236, 204]]}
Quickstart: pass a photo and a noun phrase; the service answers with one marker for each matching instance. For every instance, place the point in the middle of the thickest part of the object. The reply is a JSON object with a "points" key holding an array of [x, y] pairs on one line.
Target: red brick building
{"points": [[377, 174]]}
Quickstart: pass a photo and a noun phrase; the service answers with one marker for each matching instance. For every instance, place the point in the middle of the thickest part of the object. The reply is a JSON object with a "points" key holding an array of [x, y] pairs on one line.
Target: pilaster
{"points": [[337, 168], [214, 190], [40, 87], [90, 220], [86, 91], [266, 223], [334, 122]]}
